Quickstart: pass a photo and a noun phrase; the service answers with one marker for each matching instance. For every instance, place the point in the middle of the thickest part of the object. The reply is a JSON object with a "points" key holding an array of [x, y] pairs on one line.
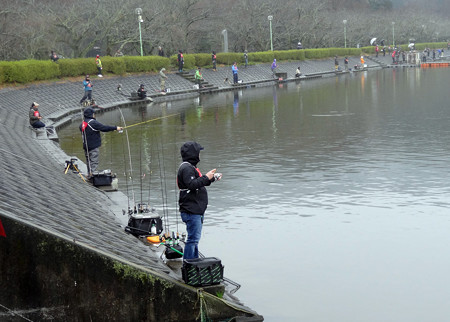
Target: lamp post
{"points": [[138, 11], [225, 40], [393, 33], [345, 33], [270, 26]]}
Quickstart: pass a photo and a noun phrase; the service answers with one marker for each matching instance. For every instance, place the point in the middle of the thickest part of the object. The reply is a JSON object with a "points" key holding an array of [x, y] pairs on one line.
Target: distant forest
{"points": [[30, 29]]}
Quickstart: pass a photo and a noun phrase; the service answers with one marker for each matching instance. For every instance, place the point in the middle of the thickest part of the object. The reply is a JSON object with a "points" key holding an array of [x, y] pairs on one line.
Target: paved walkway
{"points": [[34, 189]]}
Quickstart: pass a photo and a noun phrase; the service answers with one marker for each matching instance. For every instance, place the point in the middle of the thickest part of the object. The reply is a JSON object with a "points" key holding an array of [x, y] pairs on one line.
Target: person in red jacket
{"points": [[35, 116], [180, 60]]}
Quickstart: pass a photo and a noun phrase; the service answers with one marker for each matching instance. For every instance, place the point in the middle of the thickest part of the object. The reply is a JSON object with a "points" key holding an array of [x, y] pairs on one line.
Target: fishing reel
{"points": [[141, 208]]}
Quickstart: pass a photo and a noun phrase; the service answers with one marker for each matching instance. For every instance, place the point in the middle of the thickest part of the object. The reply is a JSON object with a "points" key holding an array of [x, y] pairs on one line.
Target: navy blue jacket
{"points": [[193, 195], [91, 128]]}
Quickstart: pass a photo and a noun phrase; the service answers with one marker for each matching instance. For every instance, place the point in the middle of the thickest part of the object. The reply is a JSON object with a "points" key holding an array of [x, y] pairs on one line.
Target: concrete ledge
{"points": [[81, 283]]}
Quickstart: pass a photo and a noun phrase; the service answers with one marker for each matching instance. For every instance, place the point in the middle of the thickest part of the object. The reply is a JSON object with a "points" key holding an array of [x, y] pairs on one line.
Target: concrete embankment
{"points": [[66, 255]]}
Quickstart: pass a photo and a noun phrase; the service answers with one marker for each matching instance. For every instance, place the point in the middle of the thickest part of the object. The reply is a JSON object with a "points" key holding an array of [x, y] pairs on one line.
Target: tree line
{"points": [[30, 29]]}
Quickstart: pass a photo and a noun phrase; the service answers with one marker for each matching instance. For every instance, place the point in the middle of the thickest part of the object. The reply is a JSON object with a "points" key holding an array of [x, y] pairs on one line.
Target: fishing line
{"points": [[125, 173], [150, 169], [142, 175], [166, 201], [129, 155], [175, 190], [166, 221], [152, 120]]}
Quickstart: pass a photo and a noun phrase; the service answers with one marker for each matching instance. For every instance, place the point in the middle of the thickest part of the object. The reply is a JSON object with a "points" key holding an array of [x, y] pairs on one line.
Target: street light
{"points": [[270, 25], [393, 33], [345, 33], [225, 40], [138, 11]]}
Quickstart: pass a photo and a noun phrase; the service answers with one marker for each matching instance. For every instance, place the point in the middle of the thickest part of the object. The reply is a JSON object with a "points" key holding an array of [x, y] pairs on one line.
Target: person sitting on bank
{"points": [[90, 131], [142, 93], [35, 116], [297, 72]]}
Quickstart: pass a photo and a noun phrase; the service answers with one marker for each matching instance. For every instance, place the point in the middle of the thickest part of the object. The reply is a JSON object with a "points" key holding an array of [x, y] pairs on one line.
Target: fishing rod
{"points": [[152, 120], [129, 156]]}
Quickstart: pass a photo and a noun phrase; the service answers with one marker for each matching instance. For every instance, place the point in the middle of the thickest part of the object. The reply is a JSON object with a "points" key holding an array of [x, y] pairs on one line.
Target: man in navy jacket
{"points": [[193, 199], [90, 131]]}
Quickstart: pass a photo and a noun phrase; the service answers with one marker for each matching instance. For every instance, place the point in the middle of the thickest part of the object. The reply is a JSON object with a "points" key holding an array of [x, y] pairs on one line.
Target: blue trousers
{"points": [[38, 124], [194, 225], [235, 78]]}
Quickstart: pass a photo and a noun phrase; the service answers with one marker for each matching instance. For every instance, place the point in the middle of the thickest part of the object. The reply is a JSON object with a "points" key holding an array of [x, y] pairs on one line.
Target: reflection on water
{"points": [[333, 202]]}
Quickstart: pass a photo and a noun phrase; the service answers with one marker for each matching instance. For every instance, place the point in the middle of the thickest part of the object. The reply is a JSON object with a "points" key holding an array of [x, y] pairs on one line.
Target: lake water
{"points": [[334, 200]]}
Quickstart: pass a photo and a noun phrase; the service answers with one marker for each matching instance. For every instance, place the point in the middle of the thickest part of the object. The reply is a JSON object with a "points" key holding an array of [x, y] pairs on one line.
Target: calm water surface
{"points": [[334, 200]]}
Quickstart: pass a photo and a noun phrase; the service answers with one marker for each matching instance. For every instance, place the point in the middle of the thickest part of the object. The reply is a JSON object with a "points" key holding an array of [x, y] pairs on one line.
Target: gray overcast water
{"points": [[334, 200]]}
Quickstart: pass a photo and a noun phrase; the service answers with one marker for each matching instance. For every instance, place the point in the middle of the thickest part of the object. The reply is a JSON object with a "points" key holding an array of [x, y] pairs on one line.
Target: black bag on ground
{"points": [[170, 253], [202, 271]]}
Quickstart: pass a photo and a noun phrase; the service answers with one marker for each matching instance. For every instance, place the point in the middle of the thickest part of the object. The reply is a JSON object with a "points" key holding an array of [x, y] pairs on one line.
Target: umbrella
{"points": [[372, 41]]}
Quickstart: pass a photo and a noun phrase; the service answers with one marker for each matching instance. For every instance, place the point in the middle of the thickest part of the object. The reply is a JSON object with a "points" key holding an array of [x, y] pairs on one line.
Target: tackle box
{"points": [[103, 178], [202, 271]]}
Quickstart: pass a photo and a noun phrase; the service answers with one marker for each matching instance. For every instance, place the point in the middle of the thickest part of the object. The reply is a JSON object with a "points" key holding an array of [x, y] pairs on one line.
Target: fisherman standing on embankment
{"points": [[193, 199], [90, 131]]}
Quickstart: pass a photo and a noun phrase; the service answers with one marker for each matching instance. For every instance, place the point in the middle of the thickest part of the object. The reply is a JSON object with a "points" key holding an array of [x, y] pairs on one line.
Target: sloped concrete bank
{"points": [[47, 277], [65, 255]]}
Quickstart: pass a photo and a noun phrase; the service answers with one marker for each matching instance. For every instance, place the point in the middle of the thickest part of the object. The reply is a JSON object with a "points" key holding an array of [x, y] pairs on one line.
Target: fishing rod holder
{"points": [[71, 165], [140, 208]]}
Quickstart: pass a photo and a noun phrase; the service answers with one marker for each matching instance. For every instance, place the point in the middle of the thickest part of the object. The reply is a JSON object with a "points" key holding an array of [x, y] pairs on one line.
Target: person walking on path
{"points": [[98, 62], [87, 89], [214, 61], [376, 50], [198, 77], [90, 131], [274, 67], [193, 198], [346, 64], [35, 116], [160, 51], [162, 80], [54, 57], [246, 58], [235, 70], [336, 63], [298, 73], [180, 60]]}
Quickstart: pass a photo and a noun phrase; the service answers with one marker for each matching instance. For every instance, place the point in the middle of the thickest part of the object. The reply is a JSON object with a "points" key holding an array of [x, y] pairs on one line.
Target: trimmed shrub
{"points": [[189, 61], [261, 57], [137, 64], [203, 59], [230, 58], [27, 71], [114, 65]]}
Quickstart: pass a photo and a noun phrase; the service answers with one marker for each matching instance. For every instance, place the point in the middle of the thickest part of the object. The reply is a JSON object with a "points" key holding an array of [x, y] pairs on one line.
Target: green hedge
{"points": [[28, 71], [138, 64]]}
